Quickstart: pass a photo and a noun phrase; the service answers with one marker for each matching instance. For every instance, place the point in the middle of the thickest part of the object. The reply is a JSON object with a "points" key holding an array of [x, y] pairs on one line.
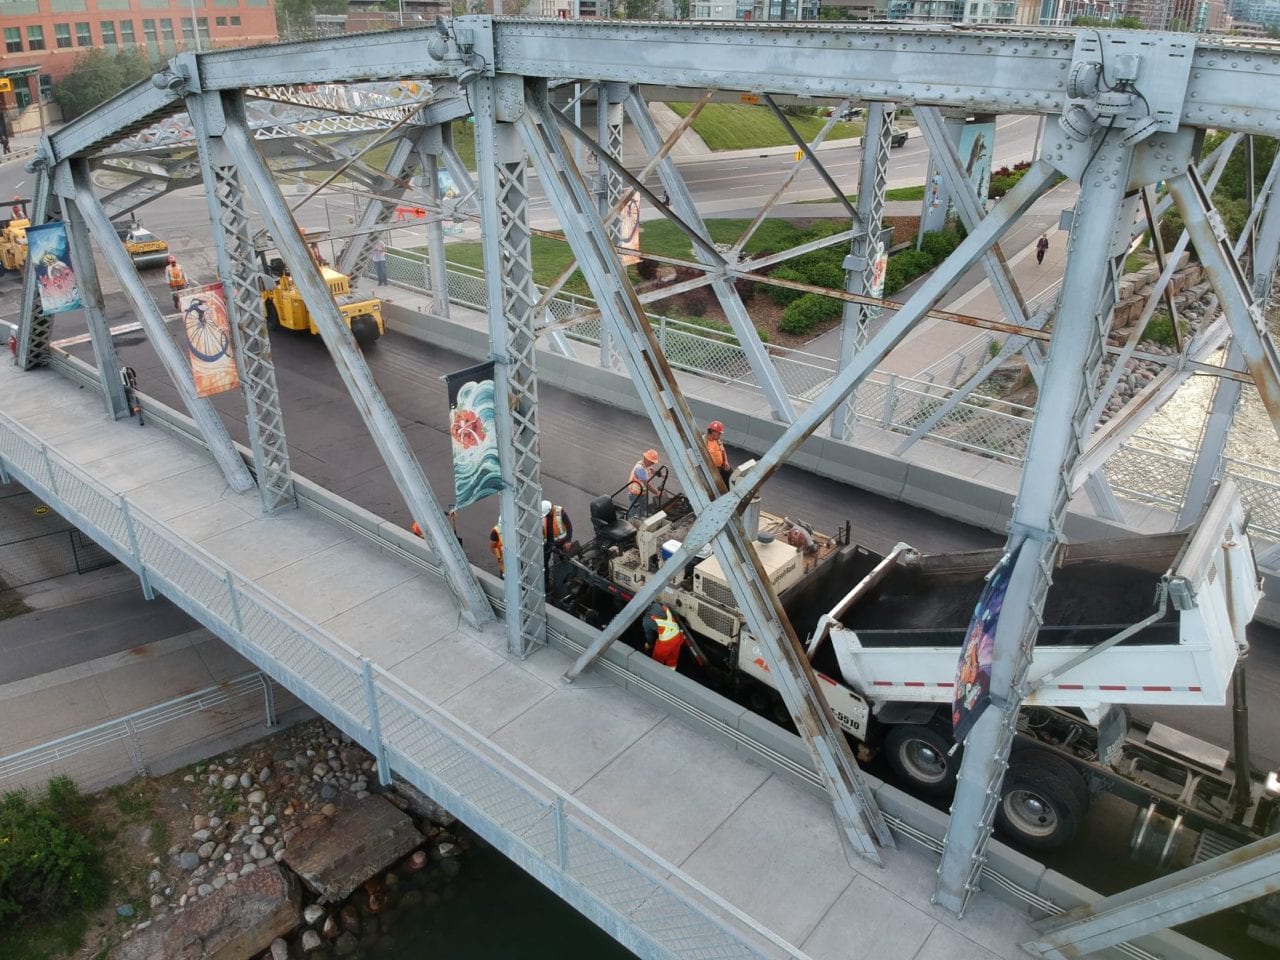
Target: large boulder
{"points": [[238, 921]]}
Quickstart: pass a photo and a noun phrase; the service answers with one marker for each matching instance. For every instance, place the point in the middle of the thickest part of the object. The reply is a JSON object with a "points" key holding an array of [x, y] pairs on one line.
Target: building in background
{"points": [[42, 38], [756, 10]]}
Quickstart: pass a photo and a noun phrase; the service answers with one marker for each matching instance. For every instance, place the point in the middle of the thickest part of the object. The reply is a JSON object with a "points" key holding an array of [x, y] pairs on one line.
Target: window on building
{"points": [[108, 28], [62, 35], [46, 87], [149, 31], [220, 21], [188, 32], [235, 21], [126, 33], [166, 31], [13, 39], [84, 36], [203, 24], [35, 37]]}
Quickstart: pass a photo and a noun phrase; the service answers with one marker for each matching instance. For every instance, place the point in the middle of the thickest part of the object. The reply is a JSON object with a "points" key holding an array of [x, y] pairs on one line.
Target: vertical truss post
{"points": [[238, 268], [1243, 312], [34, 325], [383, 427], [1057, 438], [202, 412], [609, 115], [354, 258], [104, 350], [735, 311], [680, 435], [504, 222], [430, 149], [934, 209], [864, 250]]}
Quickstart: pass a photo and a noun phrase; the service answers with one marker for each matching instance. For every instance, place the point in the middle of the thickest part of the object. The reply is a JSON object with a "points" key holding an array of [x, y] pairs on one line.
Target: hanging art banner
{"points": [[208, 331], [473, 433], [973, 672], [56, 281]]}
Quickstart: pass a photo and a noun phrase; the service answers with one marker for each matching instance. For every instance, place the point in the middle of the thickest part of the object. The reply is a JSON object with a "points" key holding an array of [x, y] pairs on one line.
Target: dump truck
{"points": [[13, 237], [1150, 620], [145, 248], [283, 305]]}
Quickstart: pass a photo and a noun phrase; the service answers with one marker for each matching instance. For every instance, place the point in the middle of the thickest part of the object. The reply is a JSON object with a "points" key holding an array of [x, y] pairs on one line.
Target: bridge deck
{"points": [[560, 777]]}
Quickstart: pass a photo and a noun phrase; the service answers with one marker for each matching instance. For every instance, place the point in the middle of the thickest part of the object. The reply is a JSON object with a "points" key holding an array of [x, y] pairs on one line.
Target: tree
{"points": [[640, 9], [96, 77], [298, 14]]}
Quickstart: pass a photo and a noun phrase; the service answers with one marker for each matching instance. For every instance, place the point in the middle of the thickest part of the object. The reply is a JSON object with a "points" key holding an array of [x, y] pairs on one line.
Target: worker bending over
{"points": [[663, 635]]}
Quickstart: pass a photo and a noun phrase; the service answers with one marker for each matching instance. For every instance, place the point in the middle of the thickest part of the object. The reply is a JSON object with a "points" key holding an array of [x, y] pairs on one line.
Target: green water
{"points": [[497, 912]]}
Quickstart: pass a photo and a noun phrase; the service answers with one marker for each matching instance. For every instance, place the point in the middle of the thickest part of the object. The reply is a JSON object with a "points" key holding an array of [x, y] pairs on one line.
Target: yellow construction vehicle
{"points": [[284, 306], [145, 248], [13, 237]]}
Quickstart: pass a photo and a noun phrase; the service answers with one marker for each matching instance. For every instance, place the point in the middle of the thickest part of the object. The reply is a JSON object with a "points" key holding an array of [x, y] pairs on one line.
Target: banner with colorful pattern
{"points": [[208, 333], [473, 432], [55, 280]]}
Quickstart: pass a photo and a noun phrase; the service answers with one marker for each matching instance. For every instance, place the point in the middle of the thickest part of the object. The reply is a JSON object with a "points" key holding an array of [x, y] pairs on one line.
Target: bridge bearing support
{"points": [[210, 425], [1057, 439], [680, 435], [508, 258], [383, 427], [239, 269], [864, 251]]}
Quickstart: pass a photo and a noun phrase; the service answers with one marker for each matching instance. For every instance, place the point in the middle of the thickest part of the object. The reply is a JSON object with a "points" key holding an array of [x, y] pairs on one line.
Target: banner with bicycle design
{"points": [[208, 333]]}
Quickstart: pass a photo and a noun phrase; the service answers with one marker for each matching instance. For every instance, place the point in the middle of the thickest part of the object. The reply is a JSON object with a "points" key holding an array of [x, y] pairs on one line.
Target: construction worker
{"points": [[495, 544], [453, 522], [640, 484], [719, 459], [663, 635], [557, 528], [16, 209], [176, 277]]}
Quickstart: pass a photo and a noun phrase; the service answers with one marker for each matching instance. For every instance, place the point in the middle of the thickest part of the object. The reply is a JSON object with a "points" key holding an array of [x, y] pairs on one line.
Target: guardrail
{"points": [[1144, 469], [644, 901], [87, 756]]}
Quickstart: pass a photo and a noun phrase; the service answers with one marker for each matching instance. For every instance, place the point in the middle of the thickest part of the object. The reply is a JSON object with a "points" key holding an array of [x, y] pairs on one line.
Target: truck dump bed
{"points": [[897, 634]]}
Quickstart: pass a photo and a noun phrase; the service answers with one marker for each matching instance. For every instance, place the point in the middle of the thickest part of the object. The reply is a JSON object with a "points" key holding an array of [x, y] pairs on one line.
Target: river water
{"points": [[497, 911]]}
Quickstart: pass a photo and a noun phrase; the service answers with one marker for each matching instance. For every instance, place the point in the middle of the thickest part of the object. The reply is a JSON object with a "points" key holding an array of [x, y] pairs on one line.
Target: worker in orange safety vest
{"points": [[663, 636], [715, 447], [495, 544], [176, 277], [640, 484]]}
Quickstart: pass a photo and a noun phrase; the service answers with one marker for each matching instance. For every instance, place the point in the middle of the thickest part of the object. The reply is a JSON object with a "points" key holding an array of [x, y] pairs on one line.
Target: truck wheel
{"points": [[365, 329], [273, 316], [1055, 766], [1038, 810], [918, 754]]}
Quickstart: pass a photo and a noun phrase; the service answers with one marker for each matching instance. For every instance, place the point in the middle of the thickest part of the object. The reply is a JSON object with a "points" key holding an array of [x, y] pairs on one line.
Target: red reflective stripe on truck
{"points": [[1151, 689]]}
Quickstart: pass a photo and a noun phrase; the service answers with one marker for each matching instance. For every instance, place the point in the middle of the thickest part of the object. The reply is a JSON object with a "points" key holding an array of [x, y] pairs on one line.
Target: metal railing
{"points": [[1143, 469], [646, 902], [145, 736]]}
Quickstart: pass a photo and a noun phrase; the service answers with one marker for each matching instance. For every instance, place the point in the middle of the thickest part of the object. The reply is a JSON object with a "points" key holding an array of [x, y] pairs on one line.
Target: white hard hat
{"points": [[546, 507]]}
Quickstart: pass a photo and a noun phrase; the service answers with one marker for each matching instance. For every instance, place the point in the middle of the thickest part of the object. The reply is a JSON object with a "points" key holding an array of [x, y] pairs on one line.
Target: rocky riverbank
{"points": [[274, 810]]}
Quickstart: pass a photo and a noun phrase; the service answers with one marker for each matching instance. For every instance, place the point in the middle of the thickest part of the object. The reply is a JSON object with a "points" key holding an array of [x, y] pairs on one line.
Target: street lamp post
{"points": [[195, 25]]}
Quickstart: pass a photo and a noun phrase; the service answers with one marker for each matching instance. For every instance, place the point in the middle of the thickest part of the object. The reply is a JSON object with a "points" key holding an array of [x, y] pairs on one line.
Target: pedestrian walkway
{"points": [[696, 808]]}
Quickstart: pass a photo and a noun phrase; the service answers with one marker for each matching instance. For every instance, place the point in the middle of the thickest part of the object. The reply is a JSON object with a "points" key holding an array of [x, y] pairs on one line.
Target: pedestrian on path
{"points": [[1042, 247], [379, 258], [4, 141]]}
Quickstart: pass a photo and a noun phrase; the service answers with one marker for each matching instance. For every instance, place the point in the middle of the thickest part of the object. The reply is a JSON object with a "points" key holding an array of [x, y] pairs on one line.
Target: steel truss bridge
{"points": [[1127, 111]]}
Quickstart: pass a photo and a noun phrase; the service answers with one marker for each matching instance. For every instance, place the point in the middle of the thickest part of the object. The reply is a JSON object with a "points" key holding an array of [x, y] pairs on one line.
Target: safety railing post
{"points": [[562, 838], [890, 400], [4, 475], [269, 699], [135, 750], [234, 598], [48, 467], [375, 723], [147, 592]]}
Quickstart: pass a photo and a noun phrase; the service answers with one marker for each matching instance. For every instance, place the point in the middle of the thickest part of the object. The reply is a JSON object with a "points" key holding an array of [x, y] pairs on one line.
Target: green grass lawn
{"points": [[898, 193], [662, 237], [740, 126]]}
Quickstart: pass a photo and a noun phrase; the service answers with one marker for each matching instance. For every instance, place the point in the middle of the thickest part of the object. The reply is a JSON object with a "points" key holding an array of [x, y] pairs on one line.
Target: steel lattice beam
{"points": [[500, 162], [34, 325]]}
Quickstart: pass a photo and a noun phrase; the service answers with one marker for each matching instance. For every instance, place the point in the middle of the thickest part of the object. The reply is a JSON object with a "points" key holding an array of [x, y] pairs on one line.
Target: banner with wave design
{"points": [[473, 433]]}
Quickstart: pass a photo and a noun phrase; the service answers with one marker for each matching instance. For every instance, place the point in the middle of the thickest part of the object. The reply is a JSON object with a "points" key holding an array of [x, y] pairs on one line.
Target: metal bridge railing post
{"points": [[268, 695], [147, 591], [375, 723], [562, 835], [234, 599], [48, 468]]}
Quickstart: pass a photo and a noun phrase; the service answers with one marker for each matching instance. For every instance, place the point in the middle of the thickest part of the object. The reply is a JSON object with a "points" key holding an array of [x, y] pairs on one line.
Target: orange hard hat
{"points": [[651, 456], [715, 426], [417, 530]]}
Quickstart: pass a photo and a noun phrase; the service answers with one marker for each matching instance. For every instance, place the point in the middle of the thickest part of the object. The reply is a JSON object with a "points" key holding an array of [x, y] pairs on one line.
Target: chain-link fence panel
{"points": [[1141, 471]]}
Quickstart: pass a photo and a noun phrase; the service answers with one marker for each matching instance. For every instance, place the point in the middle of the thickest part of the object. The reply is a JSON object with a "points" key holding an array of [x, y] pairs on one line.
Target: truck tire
{"points": [[919, 755], [365, 329], [1039, 809], [273, 317], [1055, 766]]}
